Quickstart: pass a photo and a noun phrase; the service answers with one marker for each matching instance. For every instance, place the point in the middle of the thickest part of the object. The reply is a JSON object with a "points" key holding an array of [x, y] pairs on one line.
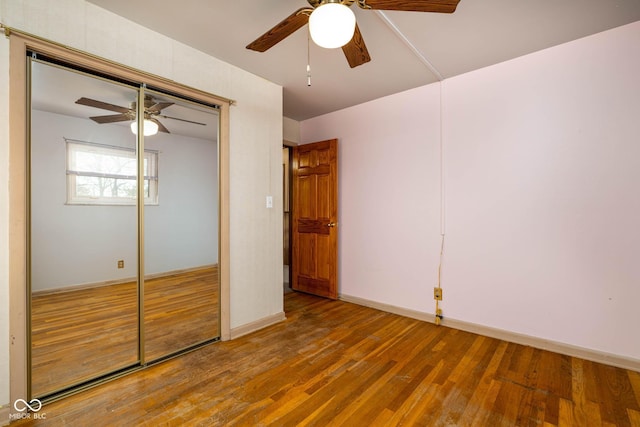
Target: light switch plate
{"points": [[269, 202]]}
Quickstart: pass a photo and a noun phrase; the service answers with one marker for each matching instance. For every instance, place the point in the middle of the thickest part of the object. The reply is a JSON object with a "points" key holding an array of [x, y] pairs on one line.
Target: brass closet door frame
{"points": [[105, 329], [83, 314], [20, 44]]}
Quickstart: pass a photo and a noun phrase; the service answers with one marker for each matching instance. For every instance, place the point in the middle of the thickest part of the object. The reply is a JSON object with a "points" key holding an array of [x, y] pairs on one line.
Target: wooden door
{"points": [[314, 264]]}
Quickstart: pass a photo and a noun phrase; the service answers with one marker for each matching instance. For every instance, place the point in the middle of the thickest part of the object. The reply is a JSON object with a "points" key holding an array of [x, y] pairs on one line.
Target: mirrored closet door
{"points": [[181, 287], [123, 230]]}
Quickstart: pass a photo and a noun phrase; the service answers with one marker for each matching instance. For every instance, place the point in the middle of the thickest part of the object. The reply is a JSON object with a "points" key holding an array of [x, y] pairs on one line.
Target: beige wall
{"points": [[291, 130], [4, 226], [256, 134]]}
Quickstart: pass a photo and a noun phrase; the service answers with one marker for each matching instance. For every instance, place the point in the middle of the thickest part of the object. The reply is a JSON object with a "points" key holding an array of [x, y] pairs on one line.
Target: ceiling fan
{"points": [[353, 47], [152, 111]]}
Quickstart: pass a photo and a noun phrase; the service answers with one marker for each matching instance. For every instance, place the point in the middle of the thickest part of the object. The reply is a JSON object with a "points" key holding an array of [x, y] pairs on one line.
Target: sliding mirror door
{"points": [[83, 229], [123, 228], [181, 286]]}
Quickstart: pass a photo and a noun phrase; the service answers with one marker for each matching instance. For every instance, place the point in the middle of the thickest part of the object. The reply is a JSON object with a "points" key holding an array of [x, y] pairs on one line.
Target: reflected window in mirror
{"points": [[100, 174]]}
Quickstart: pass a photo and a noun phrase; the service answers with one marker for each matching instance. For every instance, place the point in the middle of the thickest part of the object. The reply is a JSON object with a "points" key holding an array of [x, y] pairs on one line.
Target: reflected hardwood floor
{"points": [[81, 334], [335, 363], [181, 310]]}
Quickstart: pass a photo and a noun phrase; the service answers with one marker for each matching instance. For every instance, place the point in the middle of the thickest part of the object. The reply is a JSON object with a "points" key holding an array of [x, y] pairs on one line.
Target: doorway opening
{"points": [[314, 218], [287, 192]]}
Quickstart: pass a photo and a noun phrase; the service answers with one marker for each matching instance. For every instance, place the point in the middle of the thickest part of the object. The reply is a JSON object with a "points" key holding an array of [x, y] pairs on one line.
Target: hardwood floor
{"points": [[335, 363], [181, 310], [82, 334]]}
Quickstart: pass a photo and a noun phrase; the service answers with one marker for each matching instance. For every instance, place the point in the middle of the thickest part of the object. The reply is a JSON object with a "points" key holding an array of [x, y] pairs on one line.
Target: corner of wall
{"points": [[291, 130], [4, 227], [257, 325]]}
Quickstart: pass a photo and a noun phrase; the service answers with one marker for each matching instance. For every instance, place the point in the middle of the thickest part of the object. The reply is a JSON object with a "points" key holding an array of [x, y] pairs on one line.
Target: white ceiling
{"points": [[56, 90], [408, 49]]}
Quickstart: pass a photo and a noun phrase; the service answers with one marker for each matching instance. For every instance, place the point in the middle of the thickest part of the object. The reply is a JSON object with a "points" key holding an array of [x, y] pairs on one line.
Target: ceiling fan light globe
{"points": [[332, 25], [149, 128]]}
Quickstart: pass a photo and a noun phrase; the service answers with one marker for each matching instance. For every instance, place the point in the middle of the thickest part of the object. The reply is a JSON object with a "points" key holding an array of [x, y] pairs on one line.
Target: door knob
{"points": [[331, 224]]}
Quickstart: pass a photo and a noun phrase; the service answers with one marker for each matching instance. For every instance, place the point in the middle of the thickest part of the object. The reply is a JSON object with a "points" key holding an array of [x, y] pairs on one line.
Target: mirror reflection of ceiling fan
{"points": [[152, 111], [332, 24]]}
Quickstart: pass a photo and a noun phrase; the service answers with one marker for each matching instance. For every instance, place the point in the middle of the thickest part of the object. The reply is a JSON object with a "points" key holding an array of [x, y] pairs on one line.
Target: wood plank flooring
{"points": [[82, 334], [181, 310], [335, 363]]}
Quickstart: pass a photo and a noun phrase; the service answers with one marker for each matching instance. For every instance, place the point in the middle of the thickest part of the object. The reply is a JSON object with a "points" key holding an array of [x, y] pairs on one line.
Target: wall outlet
{"points": [[121, 263], [437, 294]]}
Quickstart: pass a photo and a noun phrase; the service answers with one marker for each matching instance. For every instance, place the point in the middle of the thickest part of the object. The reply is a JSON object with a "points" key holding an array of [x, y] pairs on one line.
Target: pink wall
{"points": [[389, 205], [542, 206]]}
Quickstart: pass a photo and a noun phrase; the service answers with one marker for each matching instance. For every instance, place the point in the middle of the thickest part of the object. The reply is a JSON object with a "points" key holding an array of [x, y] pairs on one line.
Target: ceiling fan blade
{"points": [[159, 107], [112, 118], [284, 29], [438, 6], [161, 127], [104, 105], [182, 120], [356, 51]]}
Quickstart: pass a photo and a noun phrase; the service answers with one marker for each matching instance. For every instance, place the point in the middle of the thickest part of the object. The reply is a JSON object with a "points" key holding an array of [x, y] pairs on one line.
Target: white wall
{"points": [[541, 164], [181, 231], [255, 140], [76, 244]]}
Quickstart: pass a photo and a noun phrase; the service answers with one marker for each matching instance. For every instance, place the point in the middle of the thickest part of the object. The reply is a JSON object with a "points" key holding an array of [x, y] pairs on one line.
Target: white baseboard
{"points": [[541, 343], [257, 325], [406, 312], [133, 279]]}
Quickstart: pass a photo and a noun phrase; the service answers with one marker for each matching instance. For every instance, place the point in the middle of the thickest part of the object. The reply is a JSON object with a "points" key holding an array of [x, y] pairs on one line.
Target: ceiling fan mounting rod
{"points": [[304, 12], [316, 3]]}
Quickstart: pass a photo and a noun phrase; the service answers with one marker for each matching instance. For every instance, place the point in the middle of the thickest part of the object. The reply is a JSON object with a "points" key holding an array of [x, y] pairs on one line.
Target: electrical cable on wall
{"points": [[437, 291]]}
